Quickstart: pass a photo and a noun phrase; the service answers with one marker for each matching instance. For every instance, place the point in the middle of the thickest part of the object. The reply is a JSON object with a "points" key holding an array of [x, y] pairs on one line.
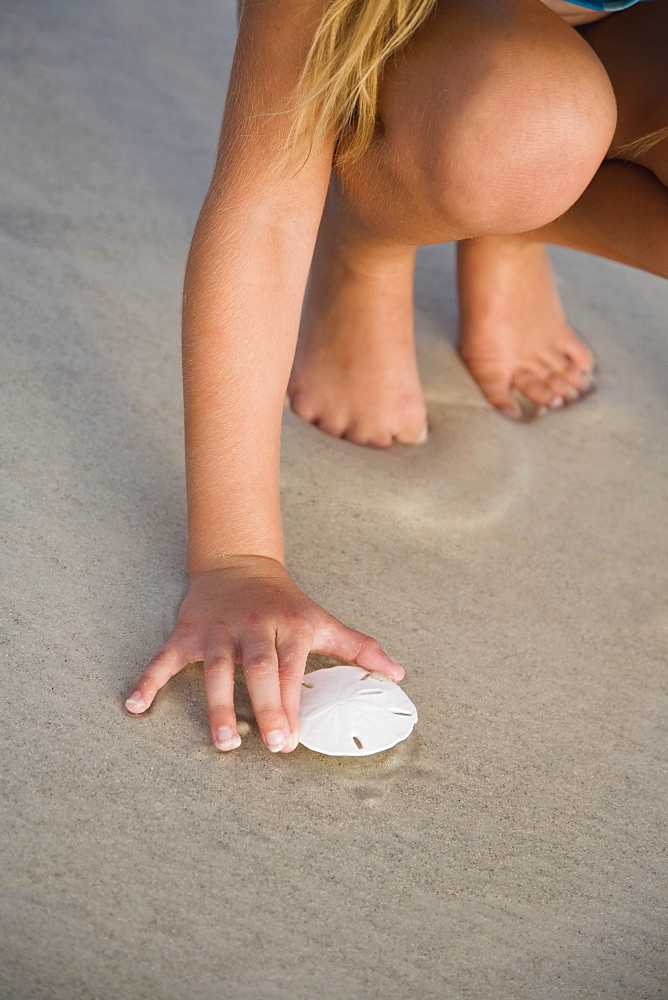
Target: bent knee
{"points": [[513, 149], [516, 166]]}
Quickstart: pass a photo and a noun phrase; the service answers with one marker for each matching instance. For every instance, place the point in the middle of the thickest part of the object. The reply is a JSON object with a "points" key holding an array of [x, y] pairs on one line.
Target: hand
{"points": [[250, 611]]}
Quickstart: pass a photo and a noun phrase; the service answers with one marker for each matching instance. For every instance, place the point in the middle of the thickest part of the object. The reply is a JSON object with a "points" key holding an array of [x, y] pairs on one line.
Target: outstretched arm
{"points": [[244, 287]]}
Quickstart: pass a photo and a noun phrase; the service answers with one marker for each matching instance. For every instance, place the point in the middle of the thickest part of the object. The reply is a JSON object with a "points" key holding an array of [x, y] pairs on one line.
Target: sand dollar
{"points": [[348, 712]]}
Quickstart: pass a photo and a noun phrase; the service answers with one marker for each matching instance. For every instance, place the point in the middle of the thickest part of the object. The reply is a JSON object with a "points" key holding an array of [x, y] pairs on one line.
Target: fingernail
{"points": [[512, 414], [424, 434], [377, 676], [572, 394], [227, 739], [276, 740], [292, 743], [556, 403], [135, 701], [397, 670]]}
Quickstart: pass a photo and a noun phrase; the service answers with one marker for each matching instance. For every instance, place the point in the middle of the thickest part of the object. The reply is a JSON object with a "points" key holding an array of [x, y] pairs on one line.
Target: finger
{"points": [[219, 663], [167, 662], [336, 639], [292, 653], [260, 662]]}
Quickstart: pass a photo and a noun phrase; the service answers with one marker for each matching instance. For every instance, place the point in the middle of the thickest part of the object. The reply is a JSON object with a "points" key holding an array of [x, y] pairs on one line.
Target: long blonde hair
{"points": [[337, 90]]}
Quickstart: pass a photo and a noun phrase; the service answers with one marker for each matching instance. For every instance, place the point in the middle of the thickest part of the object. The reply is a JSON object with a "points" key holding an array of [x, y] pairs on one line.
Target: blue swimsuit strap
{"points": [[604, 4]]}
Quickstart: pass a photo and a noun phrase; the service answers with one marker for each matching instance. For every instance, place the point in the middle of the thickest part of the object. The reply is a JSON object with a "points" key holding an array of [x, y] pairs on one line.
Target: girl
{"points": [[354, 131]]}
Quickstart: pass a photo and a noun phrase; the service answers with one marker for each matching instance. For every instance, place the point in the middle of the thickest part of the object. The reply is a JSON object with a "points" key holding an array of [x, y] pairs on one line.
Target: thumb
{"points": [[336, 639]]}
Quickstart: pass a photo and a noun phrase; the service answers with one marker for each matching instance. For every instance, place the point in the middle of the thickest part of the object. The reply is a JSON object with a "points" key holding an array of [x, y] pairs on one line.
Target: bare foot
{"points": [[355, 373], [514, 336]]}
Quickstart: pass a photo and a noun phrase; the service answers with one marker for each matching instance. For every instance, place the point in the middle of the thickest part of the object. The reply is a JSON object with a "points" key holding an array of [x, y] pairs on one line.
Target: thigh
{"points": [[633, 47]]}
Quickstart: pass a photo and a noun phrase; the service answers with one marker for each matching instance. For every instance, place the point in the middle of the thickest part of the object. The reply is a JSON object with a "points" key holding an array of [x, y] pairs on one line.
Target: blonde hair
{"points": [[337, 90], [631, 150]]}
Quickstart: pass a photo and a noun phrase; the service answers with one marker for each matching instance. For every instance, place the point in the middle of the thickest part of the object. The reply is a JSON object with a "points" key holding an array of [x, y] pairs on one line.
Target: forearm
{"points": [[244, 287], [245, 282]]}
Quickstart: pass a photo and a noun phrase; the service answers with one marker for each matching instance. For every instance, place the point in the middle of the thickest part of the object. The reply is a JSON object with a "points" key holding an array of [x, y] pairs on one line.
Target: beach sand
{"points": [[511, 848]]}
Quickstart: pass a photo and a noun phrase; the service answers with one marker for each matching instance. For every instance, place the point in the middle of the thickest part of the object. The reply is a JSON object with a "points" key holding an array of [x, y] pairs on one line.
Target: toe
{"points": [[579, 355], [535, 388], [335, 427], [561, 388], [301, 407], [411, 436], [497, 390], [587, 383], [571, 382], [577, 379], [410, 423], [375, 437]]}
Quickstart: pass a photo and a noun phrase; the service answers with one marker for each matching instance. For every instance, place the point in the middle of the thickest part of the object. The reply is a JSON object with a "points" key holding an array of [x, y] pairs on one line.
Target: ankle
{"points": [[500, 245], [364, 259]]}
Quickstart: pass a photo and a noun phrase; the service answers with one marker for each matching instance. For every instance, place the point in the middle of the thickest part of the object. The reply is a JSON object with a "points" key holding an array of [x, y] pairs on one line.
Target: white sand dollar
{"points": [[348, 712]]}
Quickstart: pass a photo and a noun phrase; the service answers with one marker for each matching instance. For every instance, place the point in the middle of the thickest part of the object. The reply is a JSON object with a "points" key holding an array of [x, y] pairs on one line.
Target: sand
{"points": [[512, 847]]}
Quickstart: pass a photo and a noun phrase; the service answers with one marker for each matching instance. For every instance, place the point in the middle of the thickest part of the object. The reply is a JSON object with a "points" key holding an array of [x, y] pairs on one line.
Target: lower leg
{"points": [[513, 332], [355, 372]]}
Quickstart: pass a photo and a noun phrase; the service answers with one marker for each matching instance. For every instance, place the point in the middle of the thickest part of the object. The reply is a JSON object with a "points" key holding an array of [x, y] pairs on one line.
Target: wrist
{"points": [[198, 563], [214, 540]]}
